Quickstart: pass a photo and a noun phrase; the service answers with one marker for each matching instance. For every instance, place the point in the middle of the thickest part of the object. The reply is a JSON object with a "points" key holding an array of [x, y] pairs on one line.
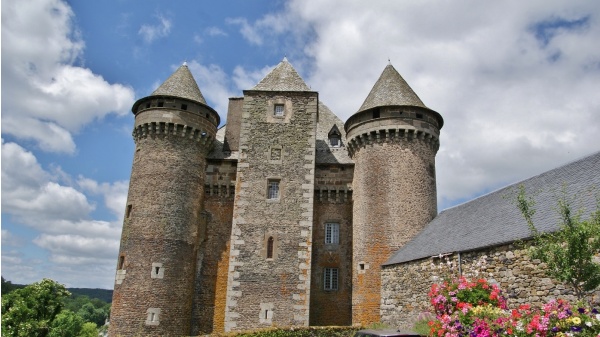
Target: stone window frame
{"points": [[332, 233], [158, 271], [264, 252], [153, 316], [279, 110], [270, 194], [331, 279], [280, 101]]}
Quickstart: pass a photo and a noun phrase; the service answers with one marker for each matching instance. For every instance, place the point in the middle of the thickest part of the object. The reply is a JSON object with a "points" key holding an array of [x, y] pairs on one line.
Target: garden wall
{"points": [[522, 280]]}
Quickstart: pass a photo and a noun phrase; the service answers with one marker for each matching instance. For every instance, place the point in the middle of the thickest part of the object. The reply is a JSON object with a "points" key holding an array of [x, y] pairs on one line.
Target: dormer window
{"points": [[335, 141], [335, 137]]}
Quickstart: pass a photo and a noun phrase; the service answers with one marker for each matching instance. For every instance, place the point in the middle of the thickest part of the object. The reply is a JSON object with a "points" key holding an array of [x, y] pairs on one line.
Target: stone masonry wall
{"points": [[208, 314], [405, 286], [333, 204], [394, 195], [265, 291], [161, 231]]}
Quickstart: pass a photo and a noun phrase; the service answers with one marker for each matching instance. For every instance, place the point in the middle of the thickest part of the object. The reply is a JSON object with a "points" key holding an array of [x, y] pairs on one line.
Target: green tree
{"points": [[89, 329], [66, 324], [90, 313], [29, 312], [569, 252]]}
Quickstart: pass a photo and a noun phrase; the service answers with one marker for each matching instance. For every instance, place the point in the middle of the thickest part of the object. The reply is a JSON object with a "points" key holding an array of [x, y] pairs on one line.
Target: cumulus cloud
{"points": [[214, 84], [152, 32], [60, 214], [50, 97], [517, 94]]}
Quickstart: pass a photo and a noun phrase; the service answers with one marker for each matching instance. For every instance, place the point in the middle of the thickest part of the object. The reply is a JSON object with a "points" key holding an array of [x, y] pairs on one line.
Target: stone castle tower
{"points": [[282, 217], [393, 139]]}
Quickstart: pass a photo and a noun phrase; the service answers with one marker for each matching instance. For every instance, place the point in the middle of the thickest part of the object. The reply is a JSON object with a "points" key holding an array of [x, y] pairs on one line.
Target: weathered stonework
{"points": [[154, 290], [333, 204], [405, 286], [283, 281]]}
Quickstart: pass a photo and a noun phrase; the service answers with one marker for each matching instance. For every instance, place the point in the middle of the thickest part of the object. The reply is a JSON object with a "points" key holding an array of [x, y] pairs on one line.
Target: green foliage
{"points": [[568, 252], [104, 295], [42, 309], [90, 313], [30, 311], [66, 324], [88, 329], [422, 327], [329, 331]]}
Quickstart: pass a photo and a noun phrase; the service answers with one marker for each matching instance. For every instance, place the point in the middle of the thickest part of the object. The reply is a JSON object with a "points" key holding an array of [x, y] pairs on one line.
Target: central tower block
{"points": [[393, 140], [270, 254], [154, 285]]}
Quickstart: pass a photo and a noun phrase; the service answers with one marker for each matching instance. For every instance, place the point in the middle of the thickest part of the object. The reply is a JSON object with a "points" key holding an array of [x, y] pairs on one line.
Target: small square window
{"points": [[273, 189], [278, 110], [184, 107], [330, 281], [332, 233], [160, 104], [420, 116]]}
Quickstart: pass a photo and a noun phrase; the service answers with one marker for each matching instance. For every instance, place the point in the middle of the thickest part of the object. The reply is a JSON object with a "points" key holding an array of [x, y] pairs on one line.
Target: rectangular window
{"points": [[273, 189], [331, 279], [332, 233], [278, 110]]}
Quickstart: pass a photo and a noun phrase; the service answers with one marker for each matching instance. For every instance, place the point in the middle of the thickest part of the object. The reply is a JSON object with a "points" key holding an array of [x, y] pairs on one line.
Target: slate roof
{"points": [[494, 219], [217, 151], [327, 154], [283, 78], [181, 84], [391, 89]]}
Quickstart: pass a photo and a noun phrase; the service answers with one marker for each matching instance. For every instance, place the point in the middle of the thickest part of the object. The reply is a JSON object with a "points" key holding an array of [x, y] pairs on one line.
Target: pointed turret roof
{"points": [[283, 78], [391, 89], [181, 84]]}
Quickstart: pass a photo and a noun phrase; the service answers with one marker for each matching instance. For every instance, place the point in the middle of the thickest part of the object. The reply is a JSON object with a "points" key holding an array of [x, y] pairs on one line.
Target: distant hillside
{"points": [[101, 294]]}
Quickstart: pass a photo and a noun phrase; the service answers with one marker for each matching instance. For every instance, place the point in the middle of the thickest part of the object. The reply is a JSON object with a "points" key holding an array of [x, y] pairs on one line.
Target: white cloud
{"points": [[214, 84], [152, 32], [248, 31], [61, 215], [49, 97], [215, 31], [513, 106]]}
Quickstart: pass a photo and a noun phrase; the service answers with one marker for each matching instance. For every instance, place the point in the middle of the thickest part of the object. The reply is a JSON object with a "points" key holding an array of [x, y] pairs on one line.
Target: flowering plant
{"points": [[477, 308]]}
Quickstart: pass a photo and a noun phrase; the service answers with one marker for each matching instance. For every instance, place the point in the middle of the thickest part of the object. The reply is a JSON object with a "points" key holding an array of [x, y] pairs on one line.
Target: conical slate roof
{"points": [[181, 84], [283, 78], [391, 89]]}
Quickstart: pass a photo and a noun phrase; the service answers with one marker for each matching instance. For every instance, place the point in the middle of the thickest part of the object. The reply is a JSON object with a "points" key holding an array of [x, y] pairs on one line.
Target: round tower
{"points": [[174, 130], [393, 140]]}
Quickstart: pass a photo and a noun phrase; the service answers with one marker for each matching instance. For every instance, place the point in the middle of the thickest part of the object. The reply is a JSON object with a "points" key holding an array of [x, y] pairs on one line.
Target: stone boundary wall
{"points": [[522, 280]]}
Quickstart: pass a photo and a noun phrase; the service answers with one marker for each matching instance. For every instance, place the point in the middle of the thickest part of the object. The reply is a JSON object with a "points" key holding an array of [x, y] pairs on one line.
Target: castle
{"points": [[282, 217]]}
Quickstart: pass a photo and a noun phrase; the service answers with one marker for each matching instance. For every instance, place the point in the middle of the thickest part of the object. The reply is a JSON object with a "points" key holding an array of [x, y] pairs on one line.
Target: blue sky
{"points": [[518, 92]]}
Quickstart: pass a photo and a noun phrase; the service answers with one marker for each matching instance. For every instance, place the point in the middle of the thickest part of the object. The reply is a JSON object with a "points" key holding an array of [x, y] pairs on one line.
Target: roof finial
{"points": [[285, 58], [185, 63], [389, 61]]}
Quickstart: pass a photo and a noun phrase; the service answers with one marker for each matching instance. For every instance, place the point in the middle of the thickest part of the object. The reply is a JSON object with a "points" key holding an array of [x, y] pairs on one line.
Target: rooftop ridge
{"points": [[181, 84]]}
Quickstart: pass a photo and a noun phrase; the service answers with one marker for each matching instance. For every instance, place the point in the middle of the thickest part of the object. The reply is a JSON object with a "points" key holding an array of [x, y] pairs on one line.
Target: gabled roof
{"points": [[391, 89], [325, 153], [283, 78], [181, 84], [494, 219]]}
